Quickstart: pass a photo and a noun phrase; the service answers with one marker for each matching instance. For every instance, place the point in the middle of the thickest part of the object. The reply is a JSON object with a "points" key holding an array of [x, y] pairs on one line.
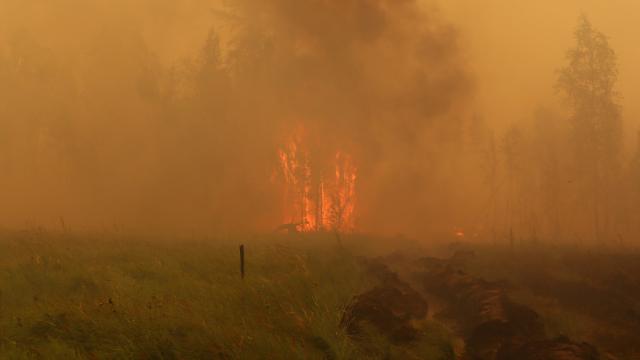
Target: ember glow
{"points": [[320, 195]]}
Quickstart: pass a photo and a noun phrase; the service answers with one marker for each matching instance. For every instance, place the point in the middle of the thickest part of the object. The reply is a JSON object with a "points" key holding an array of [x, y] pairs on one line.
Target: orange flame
{"points": [[314, 200]]}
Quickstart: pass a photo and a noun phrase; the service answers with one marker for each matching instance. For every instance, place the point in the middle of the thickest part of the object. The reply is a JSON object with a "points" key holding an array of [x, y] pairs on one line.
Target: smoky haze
{"points": [[99, 130], [515, 49], [168, 116]]}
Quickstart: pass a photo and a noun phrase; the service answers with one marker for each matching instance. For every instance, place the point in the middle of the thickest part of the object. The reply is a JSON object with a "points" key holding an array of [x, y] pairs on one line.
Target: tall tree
{"points": [[634, 187], [589, 83], [513, 149], [635, 162], [547, 141]]}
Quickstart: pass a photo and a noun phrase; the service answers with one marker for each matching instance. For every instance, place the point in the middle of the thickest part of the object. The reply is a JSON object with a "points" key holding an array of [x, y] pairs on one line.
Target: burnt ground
{"points": [[506, 303], [591, 294]]}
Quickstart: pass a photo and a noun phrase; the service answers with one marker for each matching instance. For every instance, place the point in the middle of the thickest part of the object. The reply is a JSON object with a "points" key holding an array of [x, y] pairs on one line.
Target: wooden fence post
{"points": [[242, 261]]}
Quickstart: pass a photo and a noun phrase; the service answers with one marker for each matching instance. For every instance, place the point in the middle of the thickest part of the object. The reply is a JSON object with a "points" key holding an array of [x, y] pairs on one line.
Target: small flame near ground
{"points": [[318, 196]]}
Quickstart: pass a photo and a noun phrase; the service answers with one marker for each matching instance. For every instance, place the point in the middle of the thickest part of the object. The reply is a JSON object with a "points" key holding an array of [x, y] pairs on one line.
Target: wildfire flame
{"points": [[314, 199]]}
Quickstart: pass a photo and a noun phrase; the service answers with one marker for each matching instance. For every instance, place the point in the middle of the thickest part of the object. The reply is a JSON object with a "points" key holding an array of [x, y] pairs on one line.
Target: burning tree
{"points": [[317, 196]]}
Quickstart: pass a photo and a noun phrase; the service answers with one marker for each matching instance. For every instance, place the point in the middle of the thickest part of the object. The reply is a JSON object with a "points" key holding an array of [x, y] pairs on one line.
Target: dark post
{"points": [[242, 261]]}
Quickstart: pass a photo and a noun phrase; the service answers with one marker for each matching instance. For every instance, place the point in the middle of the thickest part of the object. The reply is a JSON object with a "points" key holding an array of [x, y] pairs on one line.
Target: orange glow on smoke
{"points": [[319, 196]]}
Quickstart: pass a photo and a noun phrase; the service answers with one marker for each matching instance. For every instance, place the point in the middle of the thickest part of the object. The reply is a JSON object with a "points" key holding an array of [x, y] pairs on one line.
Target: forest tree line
{"points": [[106, 133]]}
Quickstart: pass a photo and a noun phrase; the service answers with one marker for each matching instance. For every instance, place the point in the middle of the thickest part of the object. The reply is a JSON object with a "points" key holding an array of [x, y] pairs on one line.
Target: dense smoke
{"points": [[100, 128]]}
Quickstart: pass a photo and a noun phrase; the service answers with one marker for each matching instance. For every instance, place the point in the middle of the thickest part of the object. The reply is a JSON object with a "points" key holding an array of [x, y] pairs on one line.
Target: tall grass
{"points": [[114, 297]]}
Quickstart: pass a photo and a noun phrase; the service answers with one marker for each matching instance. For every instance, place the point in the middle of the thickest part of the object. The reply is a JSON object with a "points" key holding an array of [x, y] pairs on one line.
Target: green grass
{"points": [[113, 297]]}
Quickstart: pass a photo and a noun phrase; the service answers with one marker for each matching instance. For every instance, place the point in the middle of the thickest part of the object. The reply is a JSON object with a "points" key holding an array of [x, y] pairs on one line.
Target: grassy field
{"points": [[112, 296], [115, 297]]}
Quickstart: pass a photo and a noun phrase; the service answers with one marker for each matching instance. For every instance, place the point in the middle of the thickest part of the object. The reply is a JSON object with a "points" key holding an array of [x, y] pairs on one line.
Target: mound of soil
{"points": [[495, 327], [557, 349], [390, 307], [477, 302]]}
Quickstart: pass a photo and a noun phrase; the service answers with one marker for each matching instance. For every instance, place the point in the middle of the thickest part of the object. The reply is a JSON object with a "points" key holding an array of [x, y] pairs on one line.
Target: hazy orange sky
{"points": [[516, 47]]}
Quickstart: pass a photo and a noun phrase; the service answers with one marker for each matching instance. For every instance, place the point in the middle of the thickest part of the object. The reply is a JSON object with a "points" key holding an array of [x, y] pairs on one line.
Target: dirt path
{"points": [[438, 306], [486, 323]]}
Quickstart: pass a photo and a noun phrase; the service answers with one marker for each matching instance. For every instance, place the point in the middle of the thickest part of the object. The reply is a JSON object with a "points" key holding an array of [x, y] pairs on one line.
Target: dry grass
{"points": [[113, 297]]}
